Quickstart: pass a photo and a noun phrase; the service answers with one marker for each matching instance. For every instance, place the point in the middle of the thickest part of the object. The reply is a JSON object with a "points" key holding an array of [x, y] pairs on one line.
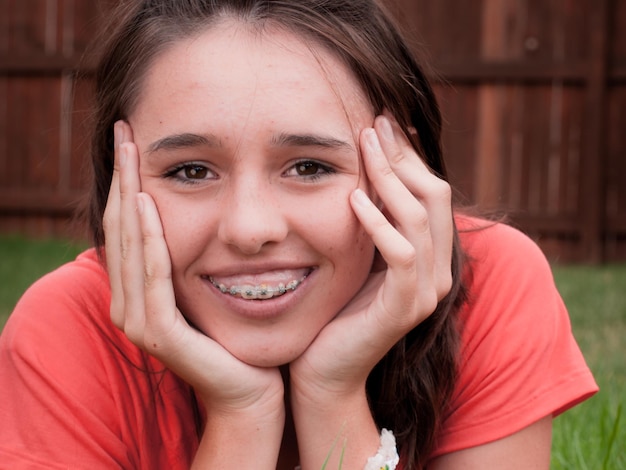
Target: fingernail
{"points": [[372, 139], [386, 129], [361, 198]]}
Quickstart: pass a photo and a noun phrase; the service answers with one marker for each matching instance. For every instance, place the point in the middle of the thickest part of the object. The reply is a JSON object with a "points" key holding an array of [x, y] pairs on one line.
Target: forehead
{"points": [[233, 66]]}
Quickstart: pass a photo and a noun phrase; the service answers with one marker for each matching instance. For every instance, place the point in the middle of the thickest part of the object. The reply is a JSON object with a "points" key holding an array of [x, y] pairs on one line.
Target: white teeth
{"points": [[260, 292], [248, 292], [264, 292]]}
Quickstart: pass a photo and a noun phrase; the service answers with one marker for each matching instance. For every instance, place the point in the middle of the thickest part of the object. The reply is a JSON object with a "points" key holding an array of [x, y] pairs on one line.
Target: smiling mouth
{"points": [[258, 292]]}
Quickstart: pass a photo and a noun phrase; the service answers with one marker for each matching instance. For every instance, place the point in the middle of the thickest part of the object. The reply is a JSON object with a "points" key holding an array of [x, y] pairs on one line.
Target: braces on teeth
{"points": [[262, 291]]}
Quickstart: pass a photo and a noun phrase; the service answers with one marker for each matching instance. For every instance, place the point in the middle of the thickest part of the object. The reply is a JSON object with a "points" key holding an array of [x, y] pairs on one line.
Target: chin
{"points": [[272, 356]]}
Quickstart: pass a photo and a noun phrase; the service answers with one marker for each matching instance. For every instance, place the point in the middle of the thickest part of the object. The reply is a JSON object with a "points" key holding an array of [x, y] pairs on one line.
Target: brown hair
{"points": [[411, 387]]}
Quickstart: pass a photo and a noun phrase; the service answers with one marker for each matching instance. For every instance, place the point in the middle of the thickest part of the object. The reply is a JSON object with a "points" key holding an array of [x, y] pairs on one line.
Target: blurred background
{"points": [[533, 94]]}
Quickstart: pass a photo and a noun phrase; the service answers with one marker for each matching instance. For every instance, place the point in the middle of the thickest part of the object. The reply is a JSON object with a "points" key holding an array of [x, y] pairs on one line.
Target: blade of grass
{"points": [[612, 438]]}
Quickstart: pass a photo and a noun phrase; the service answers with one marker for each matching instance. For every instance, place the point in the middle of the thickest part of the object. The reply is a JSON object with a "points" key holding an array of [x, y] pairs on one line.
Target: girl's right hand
{"points": [[143, 305]]}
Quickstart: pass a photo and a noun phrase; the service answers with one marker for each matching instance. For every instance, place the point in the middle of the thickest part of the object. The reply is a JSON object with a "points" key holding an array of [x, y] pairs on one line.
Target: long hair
{"points": [[411, 387]]}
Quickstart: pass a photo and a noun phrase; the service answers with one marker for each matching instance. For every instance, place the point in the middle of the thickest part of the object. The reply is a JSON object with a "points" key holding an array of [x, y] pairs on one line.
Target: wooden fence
{"points": [[533, 94]]}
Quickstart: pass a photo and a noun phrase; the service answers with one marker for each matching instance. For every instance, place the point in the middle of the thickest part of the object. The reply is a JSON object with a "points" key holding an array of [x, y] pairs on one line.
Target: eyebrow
{"points": [[309, 140], [186, 140], [189, 140]]}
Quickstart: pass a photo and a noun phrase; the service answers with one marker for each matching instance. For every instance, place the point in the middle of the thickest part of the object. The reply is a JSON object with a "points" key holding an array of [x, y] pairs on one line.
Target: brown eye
{"points": [[307, 168], [195, 172], [190, 173]]}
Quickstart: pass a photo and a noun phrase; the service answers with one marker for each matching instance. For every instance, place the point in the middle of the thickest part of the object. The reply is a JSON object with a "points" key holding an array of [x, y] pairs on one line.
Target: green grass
{"points": [[590, 436]]}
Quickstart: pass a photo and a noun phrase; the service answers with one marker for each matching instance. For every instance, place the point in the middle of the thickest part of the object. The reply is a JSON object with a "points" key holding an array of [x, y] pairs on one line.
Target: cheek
{"points": [[335, 230], [354, 248], [363, 250], [186, 227]]}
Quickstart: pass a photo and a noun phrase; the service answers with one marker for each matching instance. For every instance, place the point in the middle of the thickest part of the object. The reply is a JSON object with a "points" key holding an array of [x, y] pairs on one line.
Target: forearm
{"points": [[242, 440], [341, 429]]}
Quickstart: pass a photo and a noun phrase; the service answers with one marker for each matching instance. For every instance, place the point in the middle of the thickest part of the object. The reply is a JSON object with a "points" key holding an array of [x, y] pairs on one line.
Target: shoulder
{"points": [[63, 318], [518, 359], [78, 279], [490, 244], [510, 289], [74, 295], [64, 366], [505, 270]]}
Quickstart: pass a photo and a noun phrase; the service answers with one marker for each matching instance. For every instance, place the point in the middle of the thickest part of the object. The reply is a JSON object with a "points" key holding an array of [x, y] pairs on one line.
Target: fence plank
{"points": [[593, 162]]}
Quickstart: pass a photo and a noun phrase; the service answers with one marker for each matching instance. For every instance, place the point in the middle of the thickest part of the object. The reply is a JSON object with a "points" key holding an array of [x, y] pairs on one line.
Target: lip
{"points": [[257, 309]]}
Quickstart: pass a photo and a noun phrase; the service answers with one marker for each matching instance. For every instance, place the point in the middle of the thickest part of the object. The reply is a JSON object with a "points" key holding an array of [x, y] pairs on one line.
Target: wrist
{"points": [[336, 429], [329, 410], [243, 424], [241, 438], [243, 400], [325, 392], [268, 408]]}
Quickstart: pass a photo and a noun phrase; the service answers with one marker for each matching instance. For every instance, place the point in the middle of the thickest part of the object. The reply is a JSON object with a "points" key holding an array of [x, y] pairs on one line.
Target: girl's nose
{"points": [[251, 218]]}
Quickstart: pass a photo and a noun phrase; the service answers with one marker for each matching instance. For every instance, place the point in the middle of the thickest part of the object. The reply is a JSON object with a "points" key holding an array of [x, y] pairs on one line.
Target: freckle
{"points": [[154, 345]]}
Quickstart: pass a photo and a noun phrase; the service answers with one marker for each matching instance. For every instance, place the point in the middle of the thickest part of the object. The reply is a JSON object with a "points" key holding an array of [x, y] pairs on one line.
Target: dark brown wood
{"points": [[512, 71], [546, 224], [592, 194], [533, 94], [616, 224], [41, 64], [618, 74], [18, 201]]}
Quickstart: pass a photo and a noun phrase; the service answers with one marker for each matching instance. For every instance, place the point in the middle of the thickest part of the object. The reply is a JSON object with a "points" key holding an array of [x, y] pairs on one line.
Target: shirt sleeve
{"points": [[519, 361]]}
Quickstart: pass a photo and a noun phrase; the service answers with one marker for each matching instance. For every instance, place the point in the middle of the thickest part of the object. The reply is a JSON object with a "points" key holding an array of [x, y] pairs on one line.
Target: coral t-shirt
{"points": [[76, 394]]}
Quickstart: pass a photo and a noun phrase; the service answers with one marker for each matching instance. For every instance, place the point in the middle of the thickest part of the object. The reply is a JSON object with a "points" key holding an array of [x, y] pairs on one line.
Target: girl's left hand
{"points": [[415, 241]]}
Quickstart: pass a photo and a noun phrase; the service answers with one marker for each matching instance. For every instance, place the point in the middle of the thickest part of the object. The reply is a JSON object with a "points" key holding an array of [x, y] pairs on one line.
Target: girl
{"points": [[278, 273]]}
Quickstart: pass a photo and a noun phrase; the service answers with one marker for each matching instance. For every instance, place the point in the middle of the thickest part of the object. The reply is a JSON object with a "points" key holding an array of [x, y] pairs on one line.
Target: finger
{"points": [[398, 148], [160, 303], [131, 243], [394, 247], [434, 193], [395, 310], [112, 236], [402, 204], [410, 217]]}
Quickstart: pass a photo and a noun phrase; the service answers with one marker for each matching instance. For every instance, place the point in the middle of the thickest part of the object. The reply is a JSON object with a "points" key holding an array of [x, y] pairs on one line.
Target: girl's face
{"points": [[248, 145]]}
